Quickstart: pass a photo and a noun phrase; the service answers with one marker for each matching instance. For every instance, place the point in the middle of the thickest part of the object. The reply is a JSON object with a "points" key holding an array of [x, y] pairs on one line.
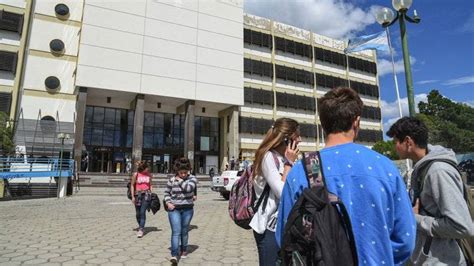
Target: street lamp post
{"points": [[62, 184], [386, 18]]}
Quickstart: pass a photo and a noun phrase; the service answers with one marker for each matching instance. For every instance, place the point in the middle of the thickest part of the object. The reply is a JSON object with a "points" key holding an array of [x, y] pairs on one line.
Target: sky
{"points": [[441, 46]]}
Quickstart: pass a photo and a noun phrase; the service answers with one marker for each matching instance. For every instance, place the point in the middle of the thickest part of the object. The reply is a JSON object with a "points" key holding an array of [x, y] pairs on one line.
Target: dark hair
{"points": [[338, 109], [182, 164], [412, 127], [141, 166], [282, 128]]}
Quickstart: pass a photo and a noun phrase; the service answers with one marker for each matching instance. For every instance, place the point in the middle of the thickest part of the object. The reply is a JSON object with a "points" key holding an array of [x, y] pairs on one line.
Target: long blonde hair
{"points": [[282, 128]]}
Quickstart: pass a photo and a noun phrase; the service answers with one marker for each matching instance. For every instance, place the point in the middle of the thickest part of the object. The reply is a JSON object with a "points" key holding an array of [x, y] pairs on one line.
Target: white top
{"points": [[271, 175]]}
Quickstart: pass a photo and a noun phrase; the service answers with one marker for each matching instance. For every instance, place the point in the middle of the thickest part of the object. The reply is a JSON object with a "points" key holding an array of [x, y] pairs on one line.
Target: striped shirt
{"points": [[180, 193]]}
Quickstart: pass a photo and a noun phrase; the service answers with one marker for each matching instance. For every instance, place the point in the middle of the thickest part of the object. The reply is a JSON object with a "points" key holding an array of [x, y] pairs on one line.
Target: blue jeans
{"points": [[180, 220], [267, 248], [141, 212]]}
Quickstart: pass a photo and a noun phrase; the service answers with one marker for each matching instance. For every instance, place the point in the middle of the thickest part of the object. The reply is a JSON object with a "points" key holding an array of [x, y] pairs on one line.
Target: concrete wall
{"points": [[182, 49]]}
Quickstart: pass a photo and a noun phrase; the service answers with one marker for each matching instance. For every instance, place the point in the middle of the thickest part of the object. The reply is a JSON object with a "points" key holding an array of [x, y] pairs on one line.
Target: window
{"points": [[206, 130], [295, 75], [295, 101], [367, 135], [308, 130], [254, 125], [371, 113], [257, 38], [11, 21], [5, 101], [108, 127], [8, 61], [260, 68], [258, 96], [292, 47]]}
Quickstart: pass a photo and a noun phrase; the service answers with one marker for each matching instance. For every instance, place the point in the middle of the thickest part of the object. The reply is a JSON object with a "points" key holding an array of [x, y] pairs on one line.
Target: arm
{"points": [[167, 193], [454, 219], [272, 175], [189, 185], [133, 181], [403, 235], [151, 186]]}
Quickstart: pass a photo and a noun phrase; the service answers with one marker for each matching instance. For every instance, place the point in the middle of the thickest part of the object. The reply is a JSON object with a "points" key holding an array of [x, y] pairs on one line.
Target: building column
{"points": [[138, 129], [189, 107], [229, 138], [79, 130], [233, 137]]}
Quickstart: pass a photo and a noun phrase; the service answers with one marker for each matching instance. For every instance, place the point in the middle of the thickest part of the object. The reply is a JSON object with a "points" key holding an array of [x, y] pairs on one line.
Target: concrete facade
{"points": [[159, 79]]}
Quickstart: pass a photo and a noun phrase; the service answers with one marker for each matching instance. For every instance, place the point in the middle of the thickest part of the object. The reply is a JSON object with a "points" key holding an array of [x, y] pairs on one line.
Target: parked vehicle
{"points": [[223, 183]]}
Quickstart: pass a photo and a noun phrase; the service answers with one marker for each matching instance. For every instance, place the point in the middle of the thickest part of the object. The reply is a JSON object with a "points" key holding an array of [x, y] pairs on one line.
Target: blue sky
{"points": [[441, 46]]}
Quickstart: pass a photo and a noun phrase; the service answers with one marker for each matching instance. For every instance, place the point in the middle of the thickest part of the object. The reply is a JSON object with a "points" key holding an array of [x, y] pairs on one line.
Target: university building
{"points": [[161, 79]]}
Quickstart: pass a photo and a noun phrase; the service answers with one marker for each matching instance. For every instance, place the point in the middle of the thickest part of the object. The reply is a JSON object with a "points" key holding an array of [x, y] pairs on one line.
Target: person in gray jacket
{"points": [[441, 212]]}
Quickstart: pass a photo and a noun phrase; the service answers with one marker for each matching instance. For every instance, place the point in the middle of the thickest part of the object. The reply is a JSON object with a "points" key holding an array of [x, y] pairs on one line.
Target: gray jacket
{"points": [[442, 196]]}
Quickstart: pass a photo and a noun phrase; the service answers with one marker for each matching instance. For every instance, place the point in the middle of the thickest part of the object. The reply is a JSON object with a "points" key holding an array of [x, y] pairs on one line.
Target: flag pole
{"points": [[394, 73], [407, 161]]}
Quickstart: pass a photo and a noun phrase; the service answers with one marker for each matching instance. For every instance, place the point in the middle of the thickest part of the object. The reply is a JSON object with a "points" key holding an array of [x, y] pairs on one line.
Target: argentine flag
{"points": [[376, 41]]}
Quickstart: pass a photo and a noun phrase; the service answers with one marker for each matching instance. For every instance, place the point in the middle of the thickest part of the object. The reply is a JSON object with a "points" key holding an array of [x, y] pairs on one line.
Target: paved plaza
{"points": [[96, 226]]}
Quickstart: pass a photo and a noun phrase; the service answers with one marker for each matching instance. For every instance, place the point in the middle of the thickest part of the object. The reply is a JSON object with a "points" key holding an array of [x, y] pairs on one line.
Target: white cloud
{"points": [[459, 81], [390, 112], [468, 26], [384, 66], [422, 82], [334, 18]]}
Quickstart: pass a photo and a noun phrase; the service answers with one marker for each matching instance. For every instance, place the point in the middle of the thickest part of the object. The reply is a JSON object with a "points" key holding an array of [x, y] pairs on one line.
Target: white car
{"points": [[223, 183]]}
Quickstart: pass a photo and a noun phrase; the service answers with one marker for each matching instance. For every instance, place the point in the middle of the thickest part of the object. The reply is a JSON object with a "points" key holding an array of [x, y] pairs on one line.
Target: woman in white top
{"points": [[273, 160]]}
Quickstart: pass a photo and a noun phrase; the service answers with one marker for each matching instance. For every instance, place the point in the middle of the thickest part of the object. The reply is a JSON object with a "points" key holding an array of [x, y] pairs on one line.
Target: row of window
{"points": [[261, 126], [295, 101], [8, 61], [304, 50], [11, 21], [260, 68], [365, 89]]}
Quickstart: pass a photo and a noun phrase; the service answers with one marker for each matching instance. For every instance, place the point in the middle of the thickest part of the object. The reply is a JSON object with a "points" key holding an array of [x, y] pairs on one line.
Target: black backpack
{"points": [[318, 229]]}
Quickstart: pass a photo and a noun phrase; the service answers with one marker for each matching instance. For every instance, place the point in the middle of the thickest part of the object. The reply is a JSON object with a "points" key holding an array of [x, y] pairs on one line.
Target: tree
{"points": [[386, 148], [7, 145], [450, 124]]}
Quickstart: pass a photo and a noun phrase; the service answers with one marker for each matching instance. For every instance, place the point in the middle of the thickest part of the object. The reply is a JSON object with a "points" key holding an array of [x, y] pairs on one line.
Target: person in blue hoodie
{"points": [[368, 183]]}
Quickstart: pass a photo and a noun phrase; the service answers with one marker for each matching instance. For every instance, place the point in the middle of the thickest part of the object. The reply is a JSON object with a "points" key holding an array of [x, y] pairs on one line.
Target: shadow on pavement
{"points": [[191, 248], [192, 227]]}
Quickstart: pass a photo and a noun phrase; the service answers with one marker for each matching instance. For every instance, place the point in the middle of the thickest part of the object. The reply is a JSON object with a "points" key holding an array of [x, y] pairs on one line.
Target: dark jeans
{"points": [[141, 213], [180, 220], [267, 248]]}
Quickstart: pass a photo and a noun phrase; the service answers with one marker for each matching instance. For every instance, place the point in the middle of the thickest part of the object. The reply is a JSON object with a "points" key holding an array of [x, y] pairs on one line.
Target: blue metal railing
{"points": [[35, 167]]}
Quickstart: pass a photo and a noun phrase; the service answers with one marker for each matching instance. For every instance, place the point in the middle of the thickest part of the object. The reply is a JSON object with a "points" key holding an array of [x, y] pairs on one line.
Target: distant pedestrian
{"points": [[232, 163], [141, 194], [441, 212], [273, 160], [179, 198]]}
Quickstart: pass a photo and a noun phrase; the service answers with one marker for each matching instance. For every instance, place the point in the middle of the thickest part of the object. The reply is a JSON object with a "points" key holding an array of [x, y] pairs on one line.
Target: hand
{"points": [[170, 206], [195, 198], [133, 201], [416, 208], [291, 152]]}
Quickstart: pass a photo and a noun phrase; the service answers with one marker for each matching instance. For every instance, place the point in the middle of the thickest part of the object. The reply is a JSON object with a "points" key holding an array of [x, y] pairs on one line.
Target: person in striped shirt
{"points": [[179, 194]]}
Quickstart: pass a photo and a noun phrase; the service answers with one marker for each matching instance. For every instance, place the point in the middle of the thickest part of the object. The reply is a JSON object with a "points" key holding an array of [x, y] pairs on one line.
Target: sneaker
{"points": [[184, 255], [140, 233], [174, 260]]}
